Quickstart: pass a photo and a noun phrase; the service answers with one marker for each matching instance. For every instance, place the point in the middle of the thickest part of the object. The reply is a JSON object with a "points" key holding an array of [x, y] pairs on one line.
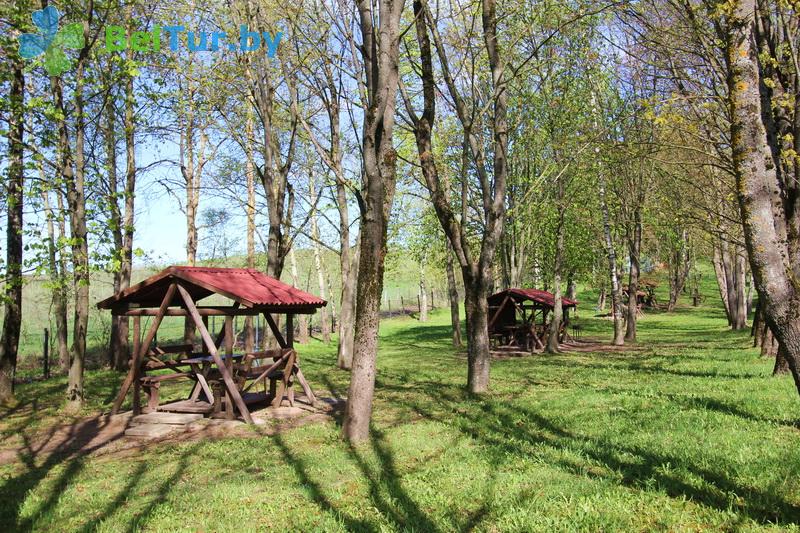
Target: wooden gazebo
{"points": [[518, 317], [221, 382]]}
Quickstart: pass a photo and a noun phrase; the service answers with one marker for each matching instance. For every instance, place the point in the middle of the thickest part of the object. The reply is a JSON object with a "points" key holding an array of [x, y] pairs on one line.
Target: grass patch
{"points": [[687, 432]]}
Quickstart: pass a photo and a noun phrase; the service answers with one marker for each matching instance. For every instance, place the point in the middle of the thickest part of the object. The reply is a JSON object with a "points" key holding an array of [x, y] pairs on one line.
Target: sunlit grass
{"points": [[688, 431]]}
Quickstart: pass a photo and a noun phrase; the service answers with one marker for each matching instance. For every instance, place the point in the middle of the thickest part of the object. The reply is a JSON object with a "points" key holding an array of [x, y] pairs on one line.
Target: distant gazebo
{"points": [[221, 382], [518, 317]]}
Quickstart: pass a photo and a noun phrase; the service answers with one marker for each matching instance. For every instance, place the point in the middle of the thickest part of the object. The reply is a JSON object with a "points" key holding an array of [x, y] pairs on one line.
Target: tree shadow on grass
{"points": [[163, 490], [499, 428], [386, 492], [38, 460], [712, 404]]}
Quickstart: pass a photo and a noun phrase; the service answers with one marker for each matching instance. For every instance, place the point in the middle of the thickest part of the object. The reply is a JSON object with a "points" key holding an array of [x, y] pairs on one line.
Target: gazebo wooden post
{"points": [[289, 330], [228, 337], [137, 335], [137, 345], [283, 343], [275, 330], [133, 372], [226, 376]]}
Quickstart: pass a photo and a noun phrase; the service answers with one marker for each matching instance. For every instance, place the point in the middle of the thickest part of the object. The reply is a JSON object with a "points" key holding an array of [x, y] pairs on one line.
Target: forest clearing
{"points": [[687, 431], [400, 265]]}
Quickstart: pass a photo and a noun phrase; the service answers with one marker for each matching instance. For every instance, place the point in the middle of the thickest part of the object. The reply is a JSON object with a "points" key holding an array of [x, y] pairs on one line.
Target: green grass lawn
{"points": [[687, 432]]}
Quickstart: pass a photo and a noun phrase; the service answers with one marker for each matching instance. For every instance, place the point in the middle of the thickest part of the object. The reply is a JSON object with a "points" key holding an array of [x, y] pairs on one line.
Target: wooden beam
{"points": [[226, 376], [289, 330], [133, 373], [222, 331], [275, 330], [227, 335], [137, 334], [497, 313], [272, 368]]}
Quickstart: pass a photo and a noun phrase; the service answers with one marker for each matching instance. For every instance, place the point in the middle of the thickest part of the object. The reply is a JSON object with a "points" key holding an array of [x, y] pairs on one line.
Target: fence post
{"points": [[389, 301], [419, 304], [433, 302], [402, 304], [46, 351]]}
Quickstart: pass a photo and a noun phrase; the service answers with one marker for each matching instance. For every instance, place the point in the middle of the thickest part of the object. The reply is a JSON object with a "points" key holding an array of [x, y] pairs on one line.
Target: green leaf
{"points": [[70, 36]]}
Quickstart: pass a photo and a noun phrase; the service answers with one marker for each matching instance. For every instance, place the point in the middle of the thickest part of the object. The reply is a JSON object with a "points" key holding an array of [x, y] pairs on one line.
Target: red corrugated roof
{"points": [[536, 295], [248, 286]]}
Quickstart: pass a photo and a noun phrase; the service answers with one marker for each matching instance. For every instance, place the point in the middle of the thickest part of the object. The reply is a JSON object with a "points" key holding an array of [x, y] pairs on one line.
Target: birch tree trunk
{"points": [[558, 311], [325, 323], [679, 271], [616, 287], [302, 321]]}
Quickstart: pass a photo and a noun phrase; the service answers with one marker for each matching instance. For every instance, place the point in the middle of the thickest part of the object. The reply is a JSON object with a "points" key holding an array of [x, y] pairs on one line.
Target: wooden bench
{"points": [[152, 384]]}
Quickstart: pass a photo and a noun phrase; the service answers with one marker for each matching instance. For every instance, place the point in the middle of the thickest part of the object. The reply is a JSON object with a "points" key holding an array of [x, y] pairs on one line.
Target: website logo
{"points": [[195, 41], [51, 42]]}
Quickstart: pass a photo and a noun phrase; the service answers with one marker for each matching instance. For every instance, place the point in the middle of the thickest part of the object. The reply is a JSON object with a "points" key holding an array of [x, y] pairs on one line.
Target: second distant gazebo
{"points": [[519, 317], [222, 381]]}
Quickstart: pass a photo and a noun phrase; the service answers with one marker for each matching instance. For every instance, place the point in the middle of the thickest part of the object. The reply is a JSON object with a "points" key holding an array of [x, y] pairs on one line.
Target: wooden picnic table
{"points": [[208, 392], [201, 372]]}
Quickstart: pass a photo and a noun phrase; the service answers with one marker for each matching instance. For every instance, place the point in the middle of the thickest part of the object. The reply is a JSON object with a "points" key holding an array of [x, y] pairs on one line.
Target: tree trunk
{"points": [[122, 221], [347, 307], [452, 294], [757, 329], [423, 294], [380, 61], [60, 300], [76, 202], [12, 316], [679, 271], [325, 323], [719, 271], [114, 214], [192, 159], [128, 222], [634, 246], [477, 269], [57, 277], [572, 286], [616, 286], [601, 300], [781, 362], [250, 174], [768, 204], [769, 346], [739, 287], [302, 322], [476, 292], [557, 316]]}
